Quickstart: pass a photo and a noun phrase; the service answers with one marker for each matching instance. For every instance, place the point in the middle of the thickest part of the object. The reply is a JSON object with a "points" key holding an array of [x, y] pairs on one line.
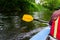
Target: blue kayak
{"points": [[42, 35]]}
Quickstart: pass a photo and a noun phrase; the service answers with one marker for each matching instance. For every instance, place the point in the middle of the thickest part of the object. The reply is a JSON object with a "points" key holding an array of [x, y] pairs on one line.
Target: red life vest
{"points": [[55, 29]]}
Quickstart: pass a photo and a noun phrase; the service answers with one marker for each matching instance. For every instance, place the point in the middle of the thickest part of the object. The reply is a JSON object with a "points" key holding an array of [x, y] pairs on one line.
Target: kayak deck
{"points": [[42, 35]]}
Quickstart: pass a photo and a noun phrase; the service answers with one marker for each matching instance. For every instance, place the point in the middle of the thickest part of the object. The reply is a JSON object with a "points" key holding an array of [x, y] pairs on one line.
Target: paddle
{"points": [[29, 18], [42, 35]]}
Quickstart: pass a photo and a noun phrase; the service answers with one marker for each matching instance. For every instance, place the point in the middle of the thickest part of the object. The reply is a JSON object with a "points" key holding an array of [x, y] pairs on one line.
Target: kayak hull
{"points": [[42, 35]]}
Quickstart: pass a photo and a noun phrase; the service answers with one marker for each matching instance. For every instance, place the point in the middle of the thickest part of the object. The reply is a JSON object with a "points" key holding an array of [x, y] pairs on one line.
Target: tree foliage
{"points": [[11, 7], [51, 4]]}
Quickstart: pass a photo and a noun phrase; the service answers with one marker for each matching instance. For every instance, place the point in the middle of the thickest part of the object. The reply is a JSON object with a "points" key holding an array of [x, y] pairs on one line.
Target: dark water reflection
{"points": [[10, 28]]}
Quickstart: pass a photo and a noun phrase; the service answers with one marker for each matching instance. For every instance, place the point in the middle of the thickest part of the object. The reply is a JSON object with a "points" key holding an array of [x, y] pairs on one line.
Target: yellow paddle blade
{"points": [[27, 18]]}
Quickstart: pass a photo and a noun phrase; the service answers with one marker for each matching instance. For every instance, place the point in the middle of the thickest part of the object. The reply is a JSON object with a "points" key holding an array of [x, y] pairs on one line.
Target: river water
{"points": [[8, 32]]}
